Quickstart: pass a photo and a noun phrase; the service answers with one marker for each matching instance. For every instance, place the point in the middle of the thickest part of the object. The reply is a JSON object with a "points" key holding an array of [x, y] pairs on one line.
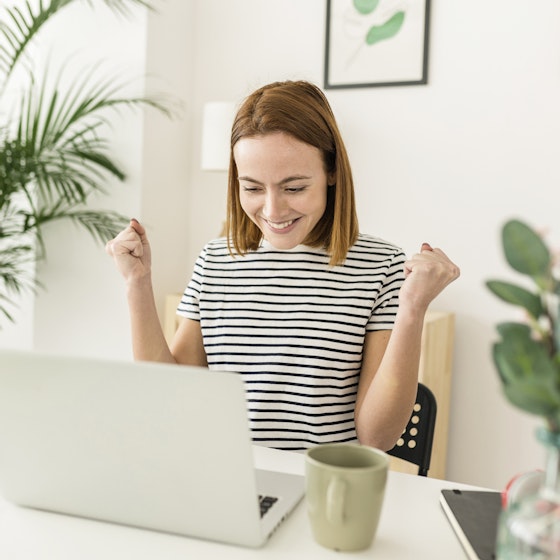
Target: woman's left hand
{"points": [[427, 273]]}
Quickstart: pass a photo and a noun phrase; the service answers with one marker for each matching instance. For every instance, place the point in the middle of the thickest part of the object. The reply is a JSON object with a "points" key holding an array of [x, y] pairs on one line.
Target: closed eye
{"points": [[251, 188]]}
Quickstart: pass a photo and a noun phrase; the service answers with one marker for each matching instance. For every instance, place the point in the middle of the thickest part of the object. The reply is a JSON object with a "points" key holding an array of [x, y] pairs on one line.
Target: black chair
{"points": [[415, 443]]}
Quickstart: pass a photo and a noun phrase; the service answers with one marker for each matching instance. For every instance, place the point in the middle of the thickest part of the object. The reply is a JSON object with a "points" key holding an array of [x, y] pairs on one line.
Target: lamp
{"points": [[217, 118]]}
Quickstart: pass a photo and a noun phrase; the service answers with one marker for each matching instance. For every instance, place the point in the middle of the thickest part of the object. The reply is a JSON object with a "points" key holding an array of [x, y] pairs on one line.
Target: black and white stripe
{"points": [[294, 328]]}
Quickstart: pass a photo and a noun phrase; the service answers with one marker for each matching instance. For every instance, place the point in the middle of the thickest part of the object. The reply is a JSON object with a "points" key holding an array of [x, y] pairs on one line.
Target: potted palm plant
{"points": [[527, 358], [54, 156]]}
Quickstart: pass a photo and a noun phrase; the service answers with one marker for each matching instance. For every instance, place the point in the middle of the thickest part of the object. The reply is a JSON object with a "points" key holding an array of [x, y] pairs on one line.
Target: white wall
{"points": [[448, 163], [166, 154]]}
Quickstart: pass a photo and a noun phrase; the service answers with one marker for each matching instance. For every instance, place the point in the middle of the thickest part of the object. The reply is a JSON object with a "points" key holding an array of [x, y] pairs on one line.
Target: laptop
{"points": [[155, 446]]}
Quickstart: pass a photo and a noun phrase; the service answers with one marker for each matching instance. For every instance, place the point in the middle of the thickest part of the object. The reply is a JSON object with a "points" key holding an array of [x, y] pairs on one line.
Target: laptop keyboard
{"points": [[266, 502]]}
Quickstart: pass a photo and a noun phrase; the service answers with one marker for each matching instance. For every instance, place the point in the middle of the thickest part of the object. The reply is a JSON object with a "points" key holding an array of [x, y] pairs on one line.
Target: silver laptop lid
{"points": [[152, 445]]}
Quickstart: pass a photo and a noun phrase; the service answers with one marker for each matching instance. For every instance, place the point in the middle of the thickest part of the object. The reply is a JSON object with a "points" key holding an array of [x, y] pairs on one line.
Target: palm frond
{"points": [[22, 26], [87, 101], [54, 153], [123, 6], [12, 222], [15, 170], [12, 260], [58, 135], [15, 276], [102, 225]]}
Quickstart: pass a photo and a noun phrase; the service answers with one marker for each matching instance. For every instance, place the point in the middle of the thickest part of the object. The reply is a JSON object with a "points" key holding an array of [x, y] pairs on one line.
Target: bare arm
{"points": [[389, 375], [187, 346], [131, 252]]}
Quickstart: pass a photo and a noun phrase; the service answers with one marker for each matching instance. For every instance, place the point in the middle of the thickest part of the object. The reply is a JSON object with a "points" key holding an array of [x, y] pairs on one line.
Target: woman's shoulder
{"points": [[216, 248], [217, 244], [368, 242]]}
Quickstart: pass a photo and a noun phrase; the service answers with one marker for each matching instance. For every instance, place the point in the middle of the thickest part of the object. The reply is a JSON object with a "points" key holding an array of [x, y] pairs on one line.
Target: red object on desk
{"points": [[521, 485]]}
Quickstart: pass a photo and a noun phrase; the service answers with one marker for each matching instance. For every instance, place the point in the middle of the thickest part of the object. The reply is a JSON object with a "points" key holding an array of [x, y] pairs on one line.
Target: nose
{"points": [[273, 206]]}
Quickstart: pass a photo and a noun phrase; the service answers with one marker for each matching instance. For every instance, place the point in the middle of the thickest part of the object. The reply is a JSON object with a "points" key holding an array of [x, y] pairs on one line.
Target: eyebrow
{"points": [[282, 182]]}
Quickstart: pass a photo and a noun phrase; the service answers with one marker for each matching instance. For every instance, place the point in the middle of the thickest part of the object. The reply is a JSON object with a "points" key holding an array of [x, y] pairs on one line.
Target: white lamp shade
{"points": [[217, 118]]}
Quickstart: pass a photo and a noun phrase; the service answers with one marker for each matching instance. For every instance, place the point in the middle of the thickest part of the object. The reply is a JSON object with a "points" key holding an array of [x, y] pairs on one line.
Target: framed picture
{"points": [[372, 43]]}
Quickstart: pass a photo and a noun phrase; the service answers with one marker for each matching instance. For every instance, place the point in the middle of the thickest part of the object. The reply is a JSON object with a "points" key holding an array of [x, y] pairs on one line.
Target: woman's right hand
{"points": [[130, 250]]}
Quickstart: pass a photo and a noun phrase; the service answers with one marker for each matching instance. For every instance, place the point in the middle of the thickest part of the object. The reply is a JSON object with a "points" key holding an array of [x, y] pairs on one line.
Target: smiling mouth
{"points": [[280, 225]]}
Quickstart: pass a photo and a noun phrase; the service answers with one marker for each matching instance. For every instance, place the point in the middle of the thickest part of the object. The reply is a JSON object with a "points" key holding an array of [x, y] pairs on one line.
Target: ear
{"points": [[331, 179]]}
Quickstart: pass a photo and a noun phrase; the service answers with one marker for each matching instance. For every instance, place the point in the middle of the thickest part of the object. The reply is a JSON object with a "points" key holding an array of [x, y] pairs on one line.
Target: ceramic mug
{"points": [[345, 488]]}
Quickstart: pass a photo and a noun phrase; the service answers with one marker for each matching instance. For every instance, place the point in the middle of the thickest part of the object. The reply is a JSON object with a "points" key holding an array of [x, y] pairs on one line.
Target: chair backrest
{"points": [[415, 443]]}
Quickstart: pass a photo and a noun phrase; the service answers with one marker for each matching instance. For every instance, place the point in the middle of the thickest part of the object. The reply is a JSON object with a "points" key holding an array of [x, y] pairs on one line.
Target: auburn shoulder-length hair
{"points": [[300, 109]]}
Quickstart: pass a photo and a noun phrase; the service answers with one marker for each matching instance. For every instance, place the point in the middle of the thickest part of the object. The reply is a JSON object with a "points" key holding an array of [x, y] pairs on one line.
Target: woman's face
{"points": [[283, 186]]}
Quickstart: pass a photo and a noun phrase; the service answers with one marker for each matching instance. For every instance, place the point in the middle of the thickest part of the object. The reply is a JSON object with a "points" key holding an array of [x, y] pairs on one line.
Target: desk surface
{"points": [[412, 526]]}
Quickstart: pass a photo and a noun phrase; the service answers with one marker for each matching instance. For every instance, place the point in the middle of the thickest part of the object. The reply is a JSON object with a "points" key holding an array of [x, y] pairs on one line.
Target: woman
{"points": [[323, 322]]}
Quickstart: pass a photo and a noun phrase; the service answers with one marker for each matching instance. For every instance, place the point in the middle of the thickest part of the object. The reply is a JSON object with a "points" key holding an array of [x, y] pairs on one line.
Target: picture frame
{"points": [[376, 43]]}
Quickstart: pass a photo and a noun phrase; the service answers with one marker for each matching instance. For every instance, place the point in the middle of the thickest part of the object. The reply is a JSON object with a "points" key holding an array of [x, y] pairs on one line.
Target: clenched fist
{"points": [[130, 250]]}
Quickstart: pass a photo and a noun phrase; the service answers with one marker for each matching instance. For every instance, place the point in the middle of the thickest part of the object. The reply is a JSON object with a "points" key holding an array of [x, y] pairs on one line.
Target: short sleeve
{"points": [[189, 305], [387, 301]]}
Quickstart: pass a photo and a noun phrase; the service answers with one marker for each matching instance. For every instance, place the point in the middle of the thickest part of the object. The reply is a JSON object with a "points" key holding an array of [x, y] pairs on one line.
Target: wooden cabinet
{"points": [[435, 372]]}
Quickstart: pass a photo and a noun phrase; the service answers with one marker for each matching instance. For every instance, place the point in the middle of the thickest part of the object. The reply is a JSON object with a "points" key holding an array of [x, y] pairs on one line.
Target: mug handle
{"points": [[335, 500]]}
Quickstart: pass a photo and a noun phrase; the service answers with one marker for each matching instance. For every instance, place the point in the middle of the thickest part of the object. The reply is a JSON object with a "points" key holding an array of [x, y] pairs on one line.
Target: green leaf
{"points": [[529, 376], [525, 251], [517, 295], [519, 359], [532, 398], [514, 331], [385, 31], [365, 6]]}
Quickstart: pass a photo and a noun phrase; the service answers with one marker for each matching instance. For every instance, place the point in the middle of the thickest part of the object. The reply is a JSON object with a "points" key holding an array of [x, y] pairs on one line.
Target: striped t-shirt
{"points": [[294, 327]]}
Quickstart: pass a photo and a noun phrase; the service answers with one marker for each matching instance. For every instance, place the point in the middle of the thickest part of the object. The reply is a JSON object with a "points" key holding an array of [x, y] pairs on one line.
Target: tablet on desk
{"points": [[473, 514]]}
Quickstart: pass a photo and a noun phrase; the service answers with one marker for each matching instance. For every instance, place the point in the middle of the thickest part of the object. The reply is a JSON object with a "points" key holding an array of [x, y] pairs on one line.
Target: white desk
{"points": [[412, 526]]}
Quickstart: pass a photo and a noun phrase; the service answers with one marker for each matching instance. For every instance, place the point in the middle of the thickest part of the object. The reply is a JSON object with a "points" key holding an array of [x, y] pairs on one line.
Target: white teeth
{"points": [[281, 225]]}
